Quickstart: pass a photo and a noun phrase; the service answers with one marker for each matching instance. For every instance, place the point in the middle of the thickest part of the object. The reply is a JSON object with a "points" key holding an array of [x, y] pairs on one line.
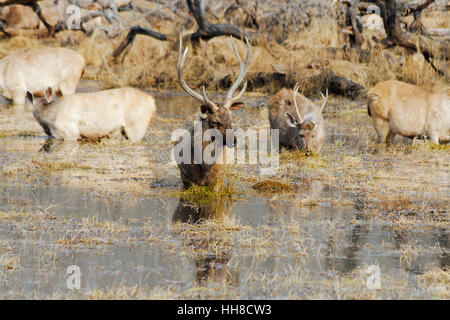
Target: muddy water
{"points": [[338, 240]]}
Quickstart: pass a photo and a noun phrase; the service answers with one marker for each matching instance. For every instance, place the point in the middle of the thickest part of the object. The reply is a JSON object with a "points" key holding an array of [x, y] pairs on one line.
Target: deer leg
{"points": [[19, 99], [390, 137], [136, 132], [382, 128], [434, 137]]}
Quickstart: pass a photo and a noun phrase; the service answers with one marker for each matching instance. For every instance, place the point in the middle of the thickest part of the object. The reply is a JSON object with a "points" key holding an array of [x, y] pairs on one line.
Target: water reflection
{"points": [[210, 266], [195, 212]]}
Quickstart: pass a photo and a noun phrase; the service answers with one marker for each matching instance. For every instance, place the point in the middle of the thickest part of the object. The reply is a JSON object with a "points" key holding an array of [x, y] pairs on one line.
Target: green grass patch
{"points": [[204, 194]]}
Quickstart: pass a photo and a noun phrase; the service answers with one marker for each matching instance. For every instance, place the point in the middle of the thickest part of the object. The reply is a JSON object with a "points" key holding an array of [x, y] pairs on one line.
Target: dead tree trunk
{"points": [[37, 9], [206, 30], [325, 80], [430, 48], [356, 39]]}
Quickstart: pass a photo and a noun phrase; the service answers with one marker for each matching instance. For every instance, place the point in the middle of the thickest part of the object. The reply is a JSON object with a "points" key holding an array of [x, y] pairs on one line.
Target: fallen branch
{"points": [[326, 79], [205, 31], [430, 48]]}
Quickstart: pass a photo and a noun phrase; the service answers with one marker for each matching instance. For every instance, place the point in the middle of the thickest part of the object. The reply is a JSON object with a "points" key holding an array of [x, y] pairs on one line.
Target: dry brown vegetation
{"points": [[150, 63], [308, 233]]}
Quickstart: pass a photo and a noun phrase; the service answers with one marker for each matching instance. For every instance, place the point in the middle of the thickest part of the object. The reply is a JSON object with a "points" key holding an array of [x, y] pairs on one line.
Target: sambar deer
{"points": [[35, 70], [94, 115], [303, 129], [213, 116], [410, 111]]}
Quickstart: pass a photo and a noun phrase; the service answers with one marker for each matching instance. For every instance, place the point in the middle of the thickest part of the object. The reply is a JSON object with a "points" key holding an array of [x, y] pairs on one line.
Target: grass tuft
{"points": [[272, 186]]}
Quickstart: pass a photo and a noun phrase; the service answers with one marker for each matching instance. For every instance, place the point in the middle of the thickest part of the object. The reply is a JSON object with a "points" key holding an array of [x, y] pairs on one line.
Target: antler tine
{"points": [[296, 87], [207, 101], [242, 71], [180, 66], [325, 100]]}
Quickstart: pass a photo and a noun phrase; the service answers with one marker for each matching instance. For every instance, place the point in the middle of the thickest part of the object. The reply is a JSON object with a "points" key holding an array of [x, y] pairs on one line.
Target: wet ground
{"points": [[356, 213]]}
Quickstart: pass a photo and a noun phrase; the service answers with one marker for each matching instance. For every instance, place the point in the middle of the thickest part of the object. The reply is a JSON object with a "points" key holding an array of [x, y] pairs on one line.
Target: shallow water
{"points": [[337, 240], [359, 245]]}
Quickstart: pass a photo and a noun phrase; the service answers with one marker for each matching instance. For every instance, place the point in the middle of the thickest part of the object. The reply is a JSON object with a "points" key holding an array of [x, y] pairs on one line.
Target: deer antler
{"points": [[296, 87], [325, 100], [242, 71], [180, 65]]}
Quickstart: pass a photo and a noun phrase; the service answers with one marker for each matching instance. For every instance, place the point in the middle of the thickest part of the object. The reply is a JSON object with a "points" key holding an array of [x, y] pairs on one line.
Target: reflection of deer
{"points": [[188, 212], [213, 266]]}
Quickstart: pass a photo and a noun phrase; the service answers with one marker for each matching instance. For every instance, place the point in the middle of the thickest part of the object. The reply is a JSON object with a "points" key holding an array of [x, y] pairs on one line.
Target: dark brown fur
{"points": [[208, 174]]}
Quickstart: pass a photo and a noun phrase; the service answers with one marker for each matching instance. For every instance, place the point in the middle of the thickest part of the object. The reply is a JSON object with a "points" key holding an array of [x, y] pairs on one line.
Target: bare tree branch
{"points": [[430, 48], [205, 31]]}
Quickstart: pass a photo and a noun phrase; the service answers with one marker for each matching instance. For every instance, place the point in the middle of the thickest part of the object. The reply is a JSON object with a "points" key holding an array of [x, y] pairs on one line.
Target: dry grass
{"points": [[311, 233], [151, 63]]}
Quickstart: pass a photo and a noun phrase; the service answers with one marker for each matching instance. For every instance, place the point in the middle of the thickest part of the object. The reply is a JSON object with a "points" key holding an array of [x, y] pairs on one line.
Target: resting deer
{"points": [[37, 69], [94, 115], [213, 116], [401, 108], [303, 129]]}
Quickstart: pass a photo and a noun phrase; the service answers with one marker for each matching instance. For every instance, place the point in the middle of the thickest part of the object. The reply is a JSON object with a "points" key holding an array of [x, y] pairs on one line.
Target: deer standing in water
{"points": [[93, 115], [213, 116], [303, 129], [410, 111], [35, 70]]}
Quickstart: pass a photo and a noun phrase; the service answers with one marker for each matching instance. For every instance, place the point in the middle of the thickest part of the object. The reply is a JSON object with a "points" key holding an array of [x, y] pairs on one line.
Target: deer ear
{"points": [[204, 111], [48, 94], [30, 97], [205, 108], [236, 106], [290, 120]]}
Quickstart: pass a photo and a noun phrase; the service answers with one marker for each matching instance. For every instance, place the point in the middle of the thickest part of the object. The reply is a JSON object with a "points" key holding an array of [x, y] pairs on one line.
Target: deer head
{"points": [[307, 125], [217, 115], [38, 103]]}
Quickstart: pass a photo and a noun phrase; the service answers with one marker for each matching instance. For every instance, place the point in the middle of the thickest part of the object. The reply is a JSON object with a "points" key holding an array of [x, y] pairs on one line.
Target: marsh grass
{"points": [[205, 194], [309, 234], [58, 166], [272, 186]]}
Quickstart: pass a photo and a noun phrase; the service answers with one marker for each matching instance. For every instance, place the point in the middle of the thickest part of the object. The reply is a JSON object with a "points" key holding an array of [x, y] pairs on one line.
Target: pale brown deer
{"points": [[410, 111], [213, 116], [298, 119], [94, 115], [35, 70]]}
